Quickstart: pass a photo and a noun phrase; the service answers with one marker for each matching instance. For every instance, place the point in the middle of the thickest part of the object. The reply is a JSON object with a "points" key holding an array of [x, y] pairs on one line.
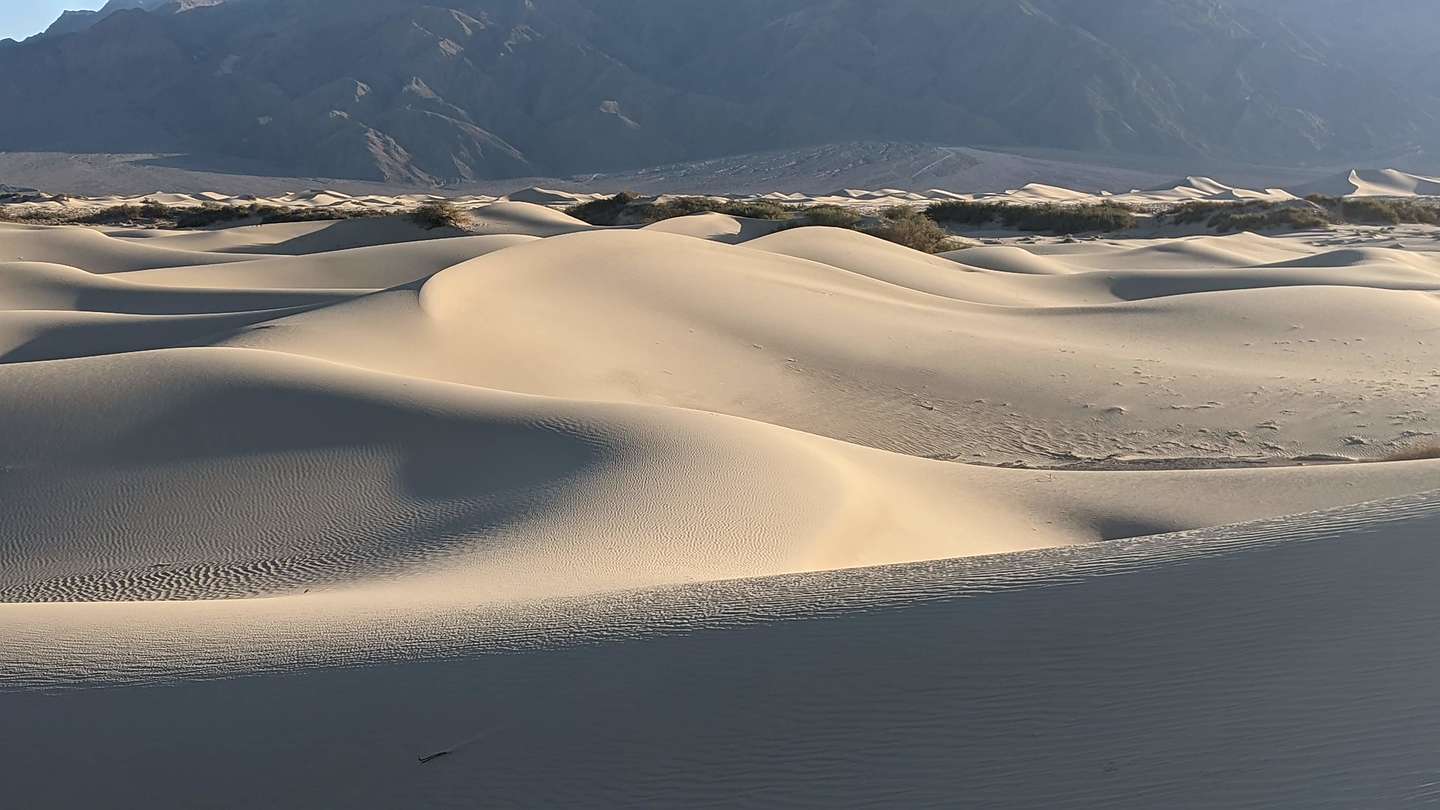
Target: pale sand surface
{"points": [[1357, 183], [703, 514]]}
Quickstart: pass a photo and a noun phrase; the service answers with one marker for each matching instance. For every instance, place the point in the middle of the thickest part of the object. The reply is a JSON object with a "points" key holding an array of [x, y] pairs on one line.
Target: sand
{"points": [[1390, 183], [704, 514]]}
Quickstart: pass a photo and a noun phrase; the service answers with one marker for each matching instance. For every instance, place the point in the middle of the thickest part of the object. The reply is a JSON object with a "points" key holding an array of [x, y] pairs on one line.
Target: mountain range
{"points": [[462, 90]]}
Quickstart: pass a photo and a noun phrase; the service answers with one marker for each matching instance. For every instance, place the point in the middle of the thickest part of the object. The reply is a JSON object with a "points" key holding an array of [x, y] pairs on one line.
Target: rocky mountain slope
{"points": [[403, 90]]}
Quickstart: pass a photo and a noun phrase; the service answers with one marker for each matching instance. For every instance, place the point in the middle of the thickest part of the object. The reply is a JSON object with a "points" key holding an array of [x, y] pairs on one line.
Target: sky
{"points": [[21, 18]]}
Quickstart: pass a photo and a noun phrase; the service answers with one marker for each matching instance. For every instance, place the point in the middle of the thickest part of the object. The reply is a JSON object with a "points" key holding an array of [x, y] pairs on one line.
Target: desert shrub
{"points": [[15, 213], [1421, 213], [756, 209], [208, 215], [270, 215], [911, 228], [605, 211], [125, 214], [961, 212], [1196, 213], [1055, 218], [1269, 217], [628, 209], [832, 216], [1370, 211], [687, 206], [1316, 211], [438, 214], [1048, 217], [184, 217], [1253, 216]]}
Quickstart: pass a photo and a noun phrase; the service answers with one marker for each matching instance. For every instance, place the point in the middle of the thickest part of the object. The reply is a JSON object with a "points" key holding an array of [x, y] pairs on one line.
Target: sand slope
{"points": [[1375, 183], [853, 338], [629, 454], [794, 402], [1293, 655]]}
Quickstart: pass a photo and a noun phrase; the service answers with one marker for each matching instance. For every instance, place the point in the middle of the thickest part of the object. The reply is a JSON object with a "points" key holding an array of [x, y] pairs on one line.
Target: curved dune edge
{"points": [[516, 417], [63, 645], [678, 517], [331, 477], [1176, 656]]}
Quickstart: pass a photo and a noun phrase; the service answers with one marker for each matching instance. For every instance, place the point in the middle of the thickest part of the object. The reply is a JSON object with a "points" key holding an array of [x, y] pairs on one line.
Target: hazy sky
{"points": [[21, 18]]}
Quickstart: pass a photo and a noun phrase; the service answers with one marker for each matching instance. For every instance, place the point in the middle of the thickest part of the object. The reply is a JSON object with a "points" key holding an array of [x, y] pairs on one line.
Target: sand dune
{"points": [[860, 367], [921, 351], [345, 473], [1375, 183], [1130, 673], [537, 210]]}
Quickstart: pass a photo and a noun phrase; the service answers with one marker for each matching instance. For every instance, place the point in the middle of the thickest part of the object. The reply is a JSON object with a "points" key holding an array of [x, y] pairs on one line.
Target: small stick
{"points": [[456, 747]]}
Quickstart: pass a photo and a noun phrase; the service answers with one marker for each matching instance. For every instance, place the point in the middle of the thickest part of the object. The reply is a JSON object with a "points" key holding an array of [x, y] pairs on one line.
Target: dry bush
{"points": [[144, 213], [1330, 210], [1255, 216], [628, 209], [1193, 213], [607, 211], [1370, 211], [828, 216], [1292, 217], [911, 228], [157, 215], [685, 206], [1047, 217], [439, 214]]}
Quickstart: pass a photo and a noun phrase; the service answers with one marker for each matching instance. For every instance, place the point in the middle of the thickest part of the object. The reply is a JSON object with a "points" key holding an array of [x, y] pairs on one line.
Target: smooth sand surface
{"points": [[701, 514]]}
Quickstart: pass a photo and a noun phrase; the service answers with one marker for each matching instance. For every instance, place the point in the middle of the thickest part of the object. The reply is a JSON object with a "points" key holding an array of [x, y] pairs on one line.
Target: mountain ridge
{"points": [[465, 90]]}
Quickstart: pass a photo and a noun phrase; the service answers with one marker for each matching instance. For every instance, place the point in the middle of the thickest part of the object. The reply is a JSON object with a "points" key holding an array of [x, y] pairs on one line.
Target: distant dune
{"points": [[1375, 183], [843, 169]]}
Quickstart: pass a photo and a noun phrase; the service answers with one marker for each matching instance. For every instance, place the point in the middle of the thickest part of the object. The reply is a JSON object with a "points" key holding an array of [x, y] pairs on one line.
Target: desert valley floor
{"points": [[702, 514]]}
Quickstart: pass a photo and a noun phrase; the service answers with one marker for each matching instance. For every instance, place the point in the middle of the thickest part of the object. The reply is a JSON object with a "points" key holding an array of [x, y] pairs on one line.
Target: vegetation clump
{"points": [[1253, 216], [207, 216], [1371, 211], [628, 209], [1195, 213], [152, 214], [902, 225], [1054, 218], [686, 206], [125, 214], [604, 211], [1315, 211], [439, 214], [910, 227], [1295, 218], [826, 216]]}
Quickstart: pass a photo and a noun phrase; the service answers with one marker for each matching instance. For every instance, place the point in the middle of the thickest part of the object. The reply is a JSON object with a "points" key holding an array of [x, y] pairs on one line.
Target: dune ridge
{"points": [[846, 373], [523, 202], [278, 453]]}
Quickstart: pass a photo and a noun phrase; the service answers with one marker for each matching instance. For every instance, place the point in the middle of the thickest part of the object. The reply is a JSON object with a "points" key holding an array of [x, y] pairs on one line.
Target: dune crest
{"points": [[493, 400], [313, 457]]}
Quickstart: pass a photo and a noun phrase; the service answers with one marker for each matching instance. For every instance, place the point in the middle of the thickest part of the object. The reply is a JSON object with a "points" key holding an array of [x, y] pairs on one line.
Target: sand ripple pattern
{"points": [[706, 516]]}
